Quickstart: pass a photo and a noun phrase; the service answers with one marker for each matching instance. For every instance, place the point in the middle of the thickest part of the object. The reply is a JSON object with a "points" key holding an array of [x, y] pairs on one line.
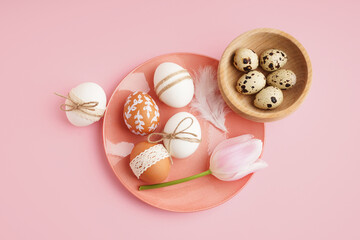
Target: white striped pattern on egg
{"points": [[173, 85]]}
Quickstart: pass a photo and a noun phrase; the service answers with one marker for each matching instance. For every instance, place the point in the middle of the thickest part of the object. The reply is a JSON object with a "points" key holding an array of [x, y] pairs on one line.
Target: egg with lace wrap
{"points": [[141, 113], [150, 162]]}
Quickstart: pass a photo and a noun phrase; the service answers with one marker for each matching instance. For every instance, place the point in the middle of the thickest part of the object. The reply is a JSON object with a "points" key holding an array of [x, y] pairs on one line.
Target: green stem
{"points": [[165, 184]]}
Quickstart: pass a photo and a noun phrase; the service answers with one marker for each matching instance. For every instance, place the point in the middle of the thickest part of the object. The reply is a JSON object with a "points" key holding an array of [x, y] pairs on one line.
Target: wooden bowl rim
{"points": [[261, 116]]}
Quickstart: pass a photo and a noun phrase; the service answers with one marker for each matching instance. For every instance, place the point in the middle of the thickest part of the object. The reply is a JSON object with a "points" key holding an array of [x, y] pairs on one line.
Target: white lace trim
{"points": [[148, 158]]}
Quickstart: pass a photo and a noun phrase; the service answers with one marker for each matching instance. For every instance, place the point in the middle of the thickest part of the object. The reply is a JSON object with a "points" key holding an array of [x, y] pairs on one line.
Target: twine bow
{"points": [[175, 135], [76, 104]]}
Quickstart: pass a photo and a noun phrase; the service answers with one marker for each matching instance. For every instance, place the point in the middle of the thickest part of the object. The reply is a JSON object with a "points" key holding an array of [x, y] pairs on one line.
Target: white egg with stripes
{"points": [[173, 85]]}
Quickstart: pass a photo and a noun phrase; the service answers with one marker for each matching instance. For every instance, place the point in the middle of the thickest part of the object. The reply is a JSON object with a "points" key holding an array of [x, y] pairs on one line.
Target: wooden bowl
{"points": [[260, 40]]}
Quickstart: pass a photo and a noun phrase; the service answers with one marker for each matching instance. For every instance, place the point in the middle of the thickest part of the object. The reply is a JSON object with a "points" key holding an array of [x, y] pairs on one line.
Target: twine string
{"points": [[77, 105], [175, 135]]}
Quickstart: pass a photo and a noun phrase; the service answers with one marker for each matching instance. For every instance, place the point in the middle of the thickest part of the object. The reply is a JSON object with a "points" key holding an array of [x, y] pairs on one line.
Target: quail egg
{"points": [[269, 98], [273, 59], [251, 82], [245, 59], [283, 79]]}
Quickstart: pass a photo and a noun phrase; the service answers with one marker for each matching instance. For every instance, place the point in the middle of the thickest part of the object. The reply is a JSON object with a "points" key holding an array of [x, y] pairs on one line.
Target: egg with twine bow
{"points": [[150, 162], [181, 135], [141, 113], [84, 104]]}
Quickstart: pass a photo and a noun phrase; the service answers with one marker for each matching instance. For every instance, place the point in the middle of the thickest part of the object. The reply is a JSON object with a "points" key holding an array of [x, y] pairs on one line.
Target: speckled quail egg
{"points": [[273, 59], [251, 82], [245, 59], [269, 98], [283, 79]]}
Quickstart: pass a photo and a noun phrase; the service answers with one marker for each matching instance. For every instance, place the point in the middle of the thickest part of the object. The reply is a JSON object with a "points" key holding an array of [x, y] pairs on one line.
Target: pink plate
{"points": [[196, 195]]}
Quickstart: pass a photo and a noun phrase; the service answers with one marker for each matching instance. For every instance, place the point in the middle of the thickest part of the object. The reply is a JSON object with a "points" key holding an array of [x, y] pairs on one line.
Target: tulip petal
{"points": [[233, 141], [250, 169], [225, 145], [233, 159], [251, 151], [221, 176]]}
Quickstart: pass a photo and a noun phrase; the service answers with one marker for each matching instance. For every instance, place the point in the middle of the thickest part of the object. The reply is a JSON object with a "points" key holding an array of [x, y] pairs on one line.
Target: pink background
{"points": [[55, 181]]}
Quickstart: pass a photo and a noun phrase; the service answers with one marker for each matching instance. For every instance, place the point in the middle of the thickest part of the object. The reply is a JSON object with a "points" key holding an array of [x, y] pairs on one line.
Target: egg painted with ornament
{"points": [[150, 162], [141, 113]]}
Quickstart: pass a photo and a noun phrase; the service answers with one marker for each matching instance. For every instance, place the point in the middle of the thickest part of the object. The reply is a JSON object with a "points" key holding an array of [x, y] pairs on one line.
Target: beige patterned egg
{"points": [[273, 59], [141, 113], [245, 59], [283, 79], [251, 82], [269, 98]]}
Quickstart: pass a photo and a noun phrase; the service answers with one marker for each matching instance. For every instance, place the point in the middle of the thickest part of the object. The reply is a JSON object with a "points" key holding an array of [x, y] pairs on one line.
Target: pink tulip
{"points": [[231, 160], [237, 157]]}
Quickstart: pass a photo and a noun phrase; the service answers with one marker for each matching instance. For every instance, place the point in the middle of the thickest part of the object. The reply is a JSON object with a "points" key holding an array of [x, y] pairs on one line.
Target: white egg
{"points": [[86, 92], [181, 148], [173, 85]]}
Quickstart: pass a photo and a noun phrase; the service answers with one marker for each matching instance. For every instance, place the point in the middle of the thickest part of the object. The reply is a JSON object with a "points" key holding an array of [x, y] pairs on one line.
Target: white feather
{"points": [[208, 100]]}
